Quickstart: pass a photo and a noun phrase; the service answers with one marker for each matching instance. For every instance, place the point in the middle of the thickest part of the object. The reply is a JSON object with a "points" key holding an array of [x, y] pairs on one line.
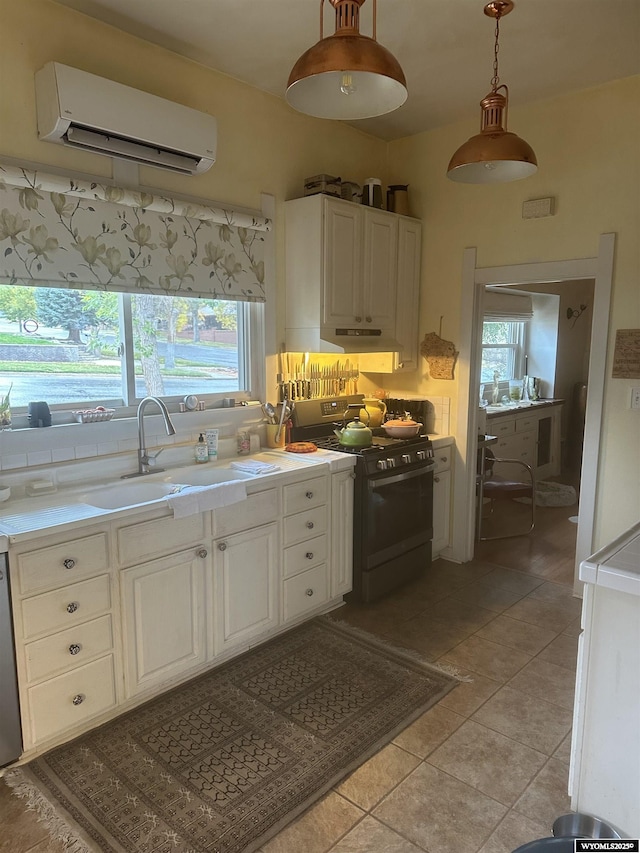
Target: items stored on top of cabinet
{"points": [[347, 276]]}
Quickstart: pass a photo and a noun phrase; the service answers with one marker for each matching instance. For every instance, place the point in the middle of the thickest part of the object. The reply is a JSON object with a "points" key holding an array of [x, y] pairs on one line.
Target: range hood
{"points": [[340, 340]]}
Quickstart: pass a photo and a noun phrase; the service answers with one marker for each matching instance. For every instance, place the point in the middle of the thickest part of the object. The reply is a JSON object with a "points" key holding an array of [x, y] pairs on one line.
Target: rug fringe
{"points": [[56, 826], [444, 668]]}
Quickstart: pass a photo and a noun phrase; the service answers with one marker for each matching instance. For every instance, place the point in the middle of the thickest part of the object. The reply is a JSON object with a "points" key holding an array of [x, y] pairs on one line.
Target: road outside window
{"points": [[79, 347]]}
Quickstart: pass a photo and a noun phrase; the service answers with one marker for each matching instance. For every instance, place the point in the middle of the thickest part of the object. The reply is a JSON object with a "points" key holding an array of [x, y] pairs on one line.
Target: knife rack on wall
{"points": [[300, 378]]}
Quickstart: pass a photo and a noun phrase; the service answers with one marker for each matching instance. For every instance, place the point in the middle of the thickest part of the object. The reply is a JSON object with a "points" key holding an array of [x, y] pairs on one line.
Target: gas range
{"points": [[392, 496], [315, 420]]}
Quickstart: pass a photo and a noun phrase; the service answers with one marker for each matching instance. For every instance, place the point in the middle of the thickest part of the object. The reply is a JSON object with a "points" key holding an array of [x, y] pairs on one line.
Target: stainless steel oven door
{"points": [[398, 514]]}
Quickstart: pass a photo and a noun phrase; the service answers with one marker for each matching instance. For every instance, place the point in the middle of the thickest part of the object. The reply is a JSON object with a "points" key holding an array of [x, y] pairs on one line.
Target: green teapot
{"points": [[354, 434]]}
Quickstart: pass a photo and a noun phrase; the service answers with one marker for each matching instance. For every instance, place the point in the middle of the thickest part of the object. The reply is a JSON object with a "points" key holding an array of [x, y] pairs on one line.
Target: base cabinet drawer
{"points": [[65, 563], [65, 607], [70, 699], [302, 525], [68, 649], [305, 592], [300, 496], [299, 558]]}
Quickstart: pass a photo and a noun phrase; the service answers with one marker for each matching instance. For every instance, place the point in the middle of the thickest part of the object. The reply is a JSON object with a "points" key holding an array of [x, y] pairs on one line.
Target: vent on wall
{"points": [[85, 111]]}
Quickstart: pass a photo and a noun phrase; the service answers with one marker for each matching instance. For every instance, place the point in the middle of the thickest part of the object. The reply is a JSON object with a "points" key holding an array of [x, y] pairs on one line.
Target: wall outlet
{"points": [[536, 208], [635, 398]]}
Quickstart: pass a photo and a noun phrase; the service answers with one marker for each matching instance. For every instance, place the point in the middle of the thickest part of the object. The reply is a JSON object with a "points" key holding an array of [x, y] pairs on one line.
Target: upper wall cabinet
{"points": [[345, 266]]}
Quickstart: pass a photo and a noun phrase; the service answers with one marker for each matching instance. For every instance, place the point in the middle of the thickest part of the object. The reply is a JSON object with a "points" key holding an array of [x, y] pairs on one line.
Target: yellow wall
{"points": [[587, 146]]}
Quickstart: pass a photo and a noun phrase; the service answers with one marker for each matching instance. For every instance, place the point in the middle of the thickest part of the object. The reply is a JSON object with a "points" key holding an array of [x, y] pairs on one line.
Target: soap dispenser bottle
{"points": [[201, 450]]}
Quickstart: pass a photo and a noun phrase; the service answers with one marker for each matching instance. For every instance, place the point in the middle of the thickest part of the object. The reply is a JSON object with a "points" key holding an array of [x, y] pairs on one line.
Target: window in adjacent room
{"points": [[503, 344]]}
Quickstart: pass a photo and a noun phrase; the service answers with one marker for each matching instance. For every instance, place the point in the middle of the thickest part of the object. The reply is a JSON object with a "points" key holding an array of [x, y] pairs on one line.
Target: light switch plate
{"points": [[635, 398]]}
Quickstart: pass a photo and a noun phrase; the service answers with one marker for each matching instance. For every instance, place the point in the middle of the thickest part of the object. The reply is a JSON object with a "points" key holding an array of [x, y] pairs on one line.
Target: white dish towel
{"points": [[254, 466], [193, 499]]}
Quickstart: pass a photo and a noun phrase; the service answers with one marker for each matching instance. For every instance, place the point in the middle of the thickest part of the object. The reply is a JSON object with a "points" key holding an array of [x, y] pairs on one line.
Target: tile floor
{"points": [[483, 771]]}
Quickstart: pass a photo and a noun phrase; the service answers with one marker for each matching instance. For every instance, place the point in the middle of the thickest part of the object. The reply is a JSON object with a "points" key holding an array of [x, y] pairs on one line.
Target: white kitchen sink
{"points": [[142, 491]]}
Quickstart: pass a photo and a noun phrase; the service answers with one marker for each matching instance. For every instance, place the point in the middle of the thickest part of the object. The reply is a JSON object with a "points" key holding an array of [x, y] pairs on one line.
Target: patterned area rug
{"points": [[224, 762]]}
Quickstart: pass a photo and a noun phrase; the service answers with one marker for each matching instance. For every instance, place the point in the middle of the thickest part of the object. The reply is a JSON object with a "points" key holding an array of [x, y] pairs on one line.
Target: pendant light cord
{"points": [[496, 48]]}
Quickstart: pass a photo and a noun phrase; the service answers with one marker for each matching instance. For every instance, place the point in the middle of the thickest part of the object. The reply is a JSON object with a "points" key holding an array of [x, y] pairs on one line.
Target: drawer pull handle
{"points": [[202, 553], [309, 592], [78, 699], [310, 525], [74, 649], [69, 563], [308, 495], [309, 555], [369, 319], [222, 546], [443, 458], [436, 479], [358, 319], [72, 606]]}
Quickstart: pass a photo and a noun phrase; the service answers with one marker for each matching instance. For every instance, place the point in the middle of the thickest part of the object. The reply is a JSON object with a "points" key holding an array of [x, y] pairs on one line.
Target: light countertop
{"points": [[617, 565]]}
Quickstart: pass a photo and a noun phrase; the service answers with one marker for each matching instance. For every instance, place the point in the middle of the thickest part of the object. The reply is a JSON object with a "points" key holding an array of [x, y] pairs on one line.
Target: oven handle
{"points": [[398, 478]]}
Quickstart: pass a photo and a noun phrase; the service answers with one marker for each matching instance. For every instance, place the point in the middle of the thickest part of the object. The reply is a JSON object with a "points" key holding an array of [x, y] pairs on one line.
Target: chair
{"points": [[496, 488]]}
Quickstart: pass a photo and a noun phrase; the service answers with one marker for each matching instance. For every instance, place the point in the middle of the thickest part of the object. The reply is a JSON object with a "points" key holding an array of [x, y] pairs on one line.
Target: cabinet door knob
{"points": [[222, 546], [75, 648], [72, 607], [309, 555], [78, 699], [309, 592], [443, 458], [368, 319], [202, 552], [69, 563], [436, 479], [308, 495], [310, 525], [358, 319]]}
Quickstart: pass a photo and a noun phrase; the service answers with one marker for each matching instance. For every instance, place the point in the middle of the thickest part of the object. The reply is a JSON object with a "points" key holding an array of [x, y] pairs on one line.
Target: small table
{"points": [[483, 441]]}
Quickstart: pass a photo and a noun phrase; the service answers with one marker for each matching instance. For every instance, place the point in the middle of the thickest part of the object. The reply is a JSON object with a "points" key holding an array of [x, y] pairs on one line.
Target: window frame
{"points": [[516, 347], [251, 349]]}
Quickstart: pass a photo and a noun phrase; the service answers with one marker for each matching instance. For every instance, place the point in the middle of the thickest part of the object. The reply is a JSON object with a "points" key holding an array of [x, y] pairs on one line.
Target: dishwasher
{"points": [[10, 730]]}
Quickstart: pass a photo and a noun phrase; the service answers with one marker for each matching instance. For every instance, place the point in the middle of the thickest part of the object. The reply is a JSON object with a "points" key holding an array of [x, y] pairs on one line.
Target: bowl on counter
{"points": [[400, 428]]}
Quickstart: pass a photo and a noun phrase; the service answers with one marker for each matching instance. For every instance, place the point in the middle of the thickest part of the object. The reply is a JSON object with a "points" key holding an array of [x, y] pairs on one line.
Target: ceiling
{"points": [[547, 47]]}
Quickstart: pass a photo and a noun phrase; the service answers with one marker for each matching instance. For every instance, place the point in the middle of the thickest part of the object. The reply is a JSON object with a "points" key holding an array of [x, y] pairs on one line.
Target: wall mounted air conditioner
{"points": [[95, 114]]}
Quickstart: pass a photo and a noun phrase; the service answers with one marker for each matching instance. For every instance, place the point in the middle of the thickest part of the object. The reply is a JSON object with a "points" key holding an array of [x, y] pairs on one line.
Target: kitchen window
{"points": [[78, 348], [109, 294], [503, 349]]}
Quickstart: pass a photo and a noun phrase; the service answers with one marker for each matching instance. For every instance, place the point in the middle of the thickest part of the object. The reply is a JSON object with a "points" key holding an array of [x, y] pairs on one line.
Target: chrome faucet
{"points": [[146, 461]]}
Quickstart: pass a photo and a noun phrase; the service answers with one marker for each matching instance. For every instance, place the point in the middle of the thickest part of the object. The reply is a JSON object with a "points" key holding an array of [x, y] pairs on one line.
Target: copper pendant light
{"points": [[347, 75], [494, 155]]}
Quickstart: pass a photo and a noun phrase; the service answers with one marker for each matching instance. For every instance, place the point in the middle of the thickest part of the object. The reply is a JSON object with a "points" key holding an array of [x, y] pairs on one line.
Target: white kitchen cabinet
{"points": [[63, 612], [407, 306], [341, 533], [164, 617], [246, 599], [604, 774], [342, 271], [108, 616], [530, 435], [442, 500]]}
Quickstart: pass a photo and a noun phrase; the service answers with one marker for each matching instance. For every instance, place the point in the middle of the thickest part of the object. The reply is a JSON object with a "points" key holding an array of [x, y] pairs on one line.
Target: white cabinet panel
{"points": [[341, 533], [441, 512], [305, 592], [246, 572], [67, 649], [164, 618]]}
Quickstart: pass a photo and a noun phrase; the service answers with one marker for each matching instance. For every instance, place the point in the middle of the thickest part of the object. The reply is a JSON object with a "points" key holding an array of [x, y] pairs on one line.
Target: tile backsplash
{"points": [[35, 447]]}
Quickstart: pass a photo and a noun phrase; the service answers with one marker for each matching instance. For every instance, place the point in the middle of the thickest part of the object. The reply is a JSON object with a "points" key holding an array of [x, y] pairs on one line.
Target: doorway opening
{"points": [[536, 341], [599, 269]]}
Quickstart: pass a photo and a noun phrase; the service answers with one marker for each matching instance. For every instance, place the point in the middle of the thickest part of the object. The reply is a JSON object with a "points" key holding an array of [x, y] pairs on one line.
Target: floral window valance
{"points": [[61, 232]]}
